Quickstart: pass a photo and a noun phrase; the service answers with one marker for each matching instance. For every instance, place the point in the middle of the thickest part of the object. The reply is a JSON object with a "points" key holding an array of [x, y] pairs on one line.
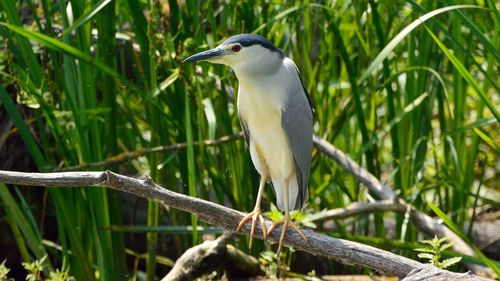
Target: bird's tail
{"points": [[293, 193]]}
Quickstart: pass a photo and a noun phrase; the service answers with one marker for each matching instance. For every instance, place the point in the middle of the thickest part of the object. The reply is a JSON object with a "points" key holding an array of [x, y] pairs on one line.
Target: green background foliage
{"points": [[82, 80]]}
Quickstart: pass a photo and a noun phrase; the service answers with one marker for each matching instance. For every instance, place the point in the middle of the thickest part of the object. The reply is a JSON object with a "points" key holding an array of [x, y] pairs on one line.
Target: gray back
{"points": [[297, 121]]}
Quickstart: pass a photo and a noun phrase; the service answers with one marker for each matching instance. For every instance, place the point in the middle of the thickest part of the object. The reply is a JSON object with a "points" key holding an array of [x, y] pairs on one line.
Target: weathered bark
{"points": [[431, 273]]}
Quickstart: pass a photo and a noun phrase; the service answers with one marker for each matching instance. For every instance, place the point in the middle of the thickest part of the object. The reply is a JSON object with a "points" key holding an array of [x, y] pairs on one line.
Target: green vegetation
{"points": [[34, 272], [414, 100], [432, 251], [4, 271]]}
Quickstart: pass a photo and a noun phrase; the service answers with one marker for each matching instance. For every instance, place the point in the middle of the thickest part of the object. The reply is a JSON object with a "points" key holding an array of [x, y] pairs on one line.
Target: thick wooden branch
{"points": [[342, 250]]}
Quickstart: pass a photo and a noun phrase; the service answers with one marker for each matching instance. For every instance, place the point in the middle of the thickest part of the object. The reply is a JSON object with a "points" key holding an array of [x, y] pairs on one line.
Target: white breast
{"points": [[259, 106]]}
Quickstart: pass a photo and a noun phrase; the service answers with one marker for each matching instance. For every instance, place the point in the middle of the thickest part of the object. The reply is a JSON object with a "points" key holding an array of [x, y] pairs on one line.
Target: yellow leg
{"points": [[286, 222], [255, 214]]}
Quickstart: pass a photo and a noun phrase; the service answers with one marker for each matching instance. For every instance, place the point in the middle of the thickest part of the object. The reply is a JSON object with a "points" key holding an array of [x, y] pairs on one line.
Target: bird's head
{"points": [[245, 53]]}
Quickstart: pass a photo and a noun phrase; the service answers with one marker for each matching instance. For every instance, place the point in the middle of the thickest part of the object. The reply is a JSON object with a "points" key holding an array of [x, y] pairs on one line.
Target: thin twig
{"points": [[342, 250], [358, 208], [131, 155]]}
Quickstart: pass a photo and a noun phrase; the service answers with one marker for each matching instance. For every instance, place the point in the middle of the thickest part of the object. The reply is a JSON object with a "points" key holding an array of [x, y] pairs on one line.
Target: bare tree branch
{"points": [[342, 250]]}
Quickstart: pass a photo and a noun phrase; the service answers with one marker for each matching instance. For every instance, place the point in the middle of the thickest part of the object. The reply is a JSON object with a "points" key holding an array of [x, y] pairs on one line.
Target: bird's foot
{"points": [[255, 216], [287, 223]]}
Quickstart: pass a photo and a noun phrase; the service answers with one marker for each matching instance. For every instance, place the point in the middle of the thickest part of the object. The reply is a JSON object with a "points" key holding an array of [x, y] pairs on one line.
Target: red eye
{"points": [[236, 48]]}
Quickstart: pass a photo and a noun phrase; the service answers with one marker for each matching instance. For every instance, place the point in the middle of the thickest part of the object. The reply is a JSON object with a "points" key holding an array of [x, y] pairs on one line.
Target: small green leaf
{"points": [[445, 246], [208, 108], [274, 214], [425, 250], [487, 139], [440, 241], [451, 261], [428, 242], [3, 271], [426, 256]]}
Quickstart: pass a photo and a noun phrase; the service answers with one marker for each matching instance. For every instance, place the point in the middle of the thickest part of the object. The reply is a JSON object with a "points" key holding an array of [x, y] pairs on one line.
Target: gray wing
{"points": [[297, 120]]}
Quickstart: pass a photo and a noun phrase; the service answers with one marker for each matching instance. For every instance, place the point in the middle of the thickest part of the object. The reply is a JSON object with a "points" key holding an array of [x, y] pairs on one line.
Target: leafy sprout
{"points": [[432, 251], [4, 271]]}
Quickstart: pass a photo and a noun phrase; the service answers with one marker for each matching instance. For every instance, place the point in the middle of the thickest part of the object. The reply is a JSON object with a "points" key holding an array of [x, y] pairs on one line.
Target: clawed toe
{"points": [[287, 223], [254, 216]]}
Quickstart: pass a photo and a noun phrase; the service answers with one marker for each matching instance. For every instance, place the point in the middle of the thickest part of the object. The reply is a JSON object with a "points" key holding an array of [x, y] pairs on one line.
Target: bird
{"points": [[276, 116]]}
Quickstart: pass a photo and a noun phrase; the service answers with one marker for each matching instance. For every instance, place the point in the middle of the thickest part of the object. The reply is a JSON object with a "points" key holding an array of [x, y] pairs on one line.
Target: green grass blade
{"points": [[31, 236], [21, 126], [460, 47], [279, 16], [357, 97], [391, 98], [487, 139], [167, 82], [405, 112], [465, 74], [191, 164], [56, 45], [475, 29], [476, 124], [401, 35], [87, 16]]}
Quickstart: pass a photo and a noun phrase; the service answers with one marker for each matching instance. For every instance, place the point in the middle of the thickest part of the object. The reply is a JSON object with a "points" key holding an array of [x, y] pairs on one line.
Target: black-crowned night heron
{"points": [[276, 115]]}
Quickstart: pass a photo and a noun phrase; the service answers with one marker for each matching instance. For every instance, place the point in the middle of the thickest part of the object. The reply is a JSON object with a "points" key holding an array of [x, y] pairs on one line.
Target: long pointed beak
{"points": [[207, 55]]}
